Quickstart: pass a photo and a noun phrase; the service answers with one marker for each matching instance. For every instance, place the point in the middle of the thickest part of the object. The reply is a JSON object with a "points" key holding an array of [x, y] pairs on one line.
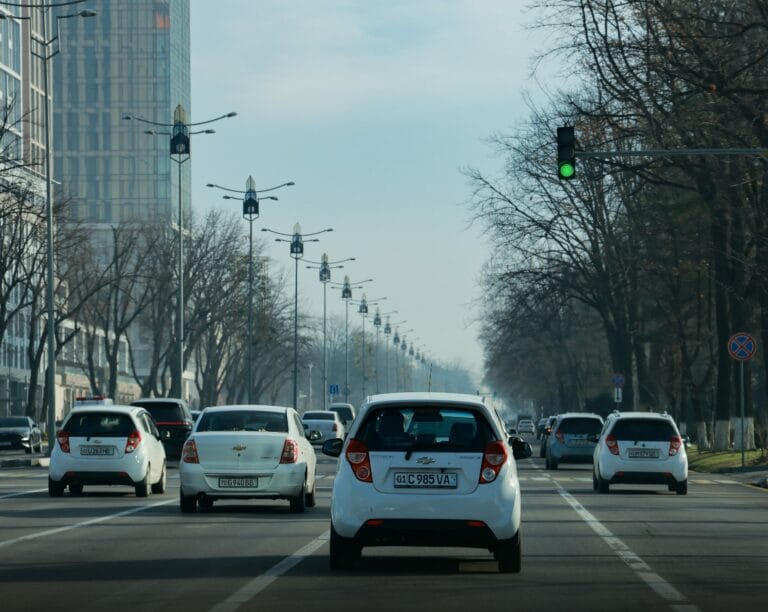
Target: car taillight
{"points": [[290, 452], [357, 455], [674, 445], [559, 435], [189, 452], [335, 427], [63, 438], [134, 439], [613, 444], [493, 459]]}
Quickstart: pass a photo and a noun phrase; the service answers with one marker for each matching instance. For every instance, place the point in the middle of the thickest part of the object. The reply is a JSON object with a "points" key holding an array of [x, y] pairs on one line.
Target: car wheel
{"points": [[603, 486], [142, 488], [509, 554], [159, 486], [310, 496], [187, 503], [299, 503], [672, 487], [682, 487], [55, 489], [28, 449], [205, 502], [75, 489], [343, 551], [553, 463], [594, 481]]}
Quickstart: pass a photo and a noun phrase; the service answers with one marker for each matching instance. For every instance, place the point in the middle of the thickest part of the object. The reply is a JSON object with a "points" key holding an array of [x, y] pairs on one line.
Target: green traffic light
{"points": [[567, 170]]}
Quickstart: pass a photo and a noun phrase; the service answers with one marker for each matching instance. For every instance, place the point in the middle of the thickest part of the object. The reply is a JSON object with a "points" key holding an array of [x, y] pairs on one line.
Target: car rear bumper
{"points": [[63, 465], [636, 472], [565, 454], [284, 482], [425, 532], [98, 478]]}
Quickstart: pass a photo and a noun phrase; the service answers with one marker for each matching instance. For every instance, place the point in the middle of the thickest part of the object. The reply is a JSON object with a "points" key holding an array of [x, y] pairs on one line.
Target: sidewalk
{"points": [[753, 475]]}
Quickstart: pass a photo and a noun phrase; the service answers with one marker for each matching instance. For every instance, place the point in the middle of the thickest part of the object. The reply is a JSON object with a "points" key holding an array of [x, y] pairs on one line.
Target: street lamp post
{"points": [[296, 241], [377, 324], [42, 48], [250, 212], [325, 268], [387, 332], [346, 295], [180, 153], [363, 310]]}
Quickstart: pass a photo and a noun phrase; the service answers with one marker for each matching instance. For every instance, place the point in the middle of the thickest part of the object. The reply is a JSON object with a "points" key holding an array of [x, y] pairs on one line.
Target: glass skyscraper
{"points": [[133, 58]]}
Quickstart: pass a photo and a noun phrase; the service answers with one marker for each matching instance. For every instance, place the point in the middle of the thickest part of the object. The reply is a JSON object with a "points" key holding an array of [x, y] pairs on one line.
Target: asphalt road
{"points": [[638, 548]]}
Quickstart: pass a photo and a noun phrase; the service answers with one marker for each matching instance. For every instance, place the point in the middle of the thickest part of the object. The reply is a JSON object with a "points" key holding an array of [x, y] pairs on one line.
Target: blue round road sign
{"points": [[618, 379], [742, 346]]}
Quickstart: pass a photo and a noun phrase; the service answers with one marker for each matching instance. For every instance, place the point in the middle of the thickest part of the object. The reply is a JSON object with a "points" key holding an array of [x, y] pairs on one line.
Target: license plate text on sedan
{"points": [[644, 453], [425, 480], [97, 450], [238, 483]]}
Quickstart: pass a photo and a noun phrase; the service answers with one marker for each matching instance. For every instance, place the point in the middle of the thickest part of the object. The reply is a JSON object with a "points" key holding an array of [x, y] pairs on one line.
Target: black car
{"points": [[17, 432], [173, 419]]}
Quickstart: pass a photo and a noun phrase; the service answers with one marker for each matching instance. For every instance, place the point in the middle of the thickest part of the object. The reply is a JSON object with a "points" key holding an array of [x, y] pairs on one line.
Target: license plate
{"points": [[4, 443], [424, 480], [238, 483], [579, 443], [643, 453], [97, 450]]}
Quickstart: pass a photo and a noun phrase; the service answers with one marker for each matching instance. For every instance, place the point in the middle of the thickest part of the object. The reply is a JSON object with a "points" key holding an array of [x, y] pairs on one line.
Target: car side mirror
{"points": [[314, 435], [520, 448], [165, 435], [332, 448], [593, 437]]}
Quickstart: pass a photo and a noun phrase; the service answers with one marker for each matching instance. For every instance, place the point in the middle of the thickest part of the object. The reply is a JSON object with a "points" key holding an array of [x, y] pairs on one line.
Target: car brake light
{"points": [[134, 438], [674, 445], [357, 455], [63, 438], [189, 452], [613, 444], [493, 459], [290, 452], [560, 437]]}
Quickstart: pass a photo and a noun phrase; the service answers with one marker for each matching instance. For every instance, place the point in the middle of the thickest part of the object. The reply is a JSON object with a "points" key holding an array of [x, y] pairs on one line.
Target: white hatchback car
{"points": [[640, 448], [247, 452], [426, 469], [327, 422], [107, 445]]}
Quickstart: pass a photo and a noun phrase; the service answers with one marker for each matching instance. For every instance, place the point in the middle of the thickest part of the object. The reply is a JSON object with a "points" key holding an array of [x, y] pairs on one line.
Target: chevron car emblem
{"points": [[425, 460]]}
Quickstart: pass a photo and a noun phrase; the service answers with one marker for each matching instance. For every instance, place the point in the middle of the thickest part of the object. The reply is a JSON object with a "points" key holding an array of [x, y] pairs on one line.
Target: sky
{"points": [[373, 109]]}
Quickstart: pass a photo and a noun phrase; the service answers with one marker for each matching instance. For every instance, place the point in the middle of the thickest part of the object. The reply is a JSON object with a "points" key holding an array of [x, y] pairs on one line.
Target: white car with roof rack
{"points": [[426, 469], [107, 444], [640, 448]]}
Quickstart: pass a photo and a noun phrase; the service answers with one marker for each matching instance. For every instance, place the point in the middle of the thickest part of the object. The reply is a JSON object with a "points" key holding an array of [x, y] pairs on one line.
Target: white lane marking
{"points": [[101, 519], [7, 495], [660, 586], [258, 584], [726, 481]]}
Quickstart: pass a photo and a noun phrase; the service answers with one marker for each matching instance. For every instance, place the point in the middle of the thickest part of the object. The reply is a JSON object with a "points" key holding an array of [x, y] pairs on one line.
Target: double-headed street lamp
{"points": [[296, 241], [43, 49], [387, 333], [250, 212], [346, 295], [363, 310], [180, 152], [325, 268], [377, 325]]}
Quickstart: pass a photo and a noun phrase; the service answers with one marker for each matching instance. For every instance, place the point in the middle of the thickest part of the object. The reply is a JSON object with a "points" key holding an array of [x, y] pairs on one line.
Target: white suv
{"points": [[426, 469], [107, 445], [640, 448]]}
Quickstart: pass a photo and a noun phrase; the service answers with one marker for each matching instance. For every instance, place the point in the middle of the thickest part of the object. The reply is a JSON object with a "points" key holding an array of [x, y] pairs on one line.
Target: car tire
{"points": [[205, 502], [75, 489], [672, 487], [160, 485], [28, 449], [142, 488], [594, 481], [509, 554], [553, 463], [603, 486], [310, 500], [299, 503], [682, 487], [542, 450], [55, 489], [343, 551], [187, 503]]}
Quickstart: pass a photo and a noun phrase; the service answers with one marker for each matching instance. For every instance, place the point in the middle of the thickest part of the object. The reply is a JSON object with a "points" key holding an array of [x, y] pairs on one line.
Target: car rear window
{"points": [[163, 412], [320, 416], [344, 412], [14, 422], [104, 424], [426, 427], [243, 420], [645, 430], [580, 425]]}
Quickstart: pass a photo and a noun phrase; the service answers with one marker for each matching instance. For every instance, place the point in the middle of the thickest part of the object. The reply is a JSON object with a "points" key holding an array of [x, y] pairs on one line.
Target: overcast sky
{"points": [[372, 108]]}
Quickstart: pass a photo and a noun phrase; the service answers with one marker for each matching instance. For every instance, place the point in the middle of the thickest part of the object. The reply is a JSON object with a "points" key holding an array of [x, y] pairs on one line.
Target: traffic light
{"points": [[566, 153]]}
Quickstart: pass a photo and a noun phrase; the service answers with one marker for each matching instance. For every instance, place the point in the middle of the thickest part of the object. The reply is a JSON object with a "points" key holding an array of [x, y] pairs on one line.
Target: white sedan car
{"points": [[247, 452], [426, 469], [107, 445], [327, 422]]}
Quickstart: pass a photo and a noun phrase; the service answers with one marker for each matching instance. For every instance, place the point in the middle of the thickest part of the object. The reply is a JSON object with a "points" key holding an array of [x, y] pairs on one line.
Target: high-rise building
{"points": [[132, 58]]}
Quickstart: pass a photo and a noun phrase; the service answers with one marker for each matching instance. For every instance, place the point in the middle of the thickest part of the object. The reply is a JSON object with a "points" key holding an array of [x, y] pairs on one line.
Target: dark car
{"points": [[17, 432], [173, 419]]}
